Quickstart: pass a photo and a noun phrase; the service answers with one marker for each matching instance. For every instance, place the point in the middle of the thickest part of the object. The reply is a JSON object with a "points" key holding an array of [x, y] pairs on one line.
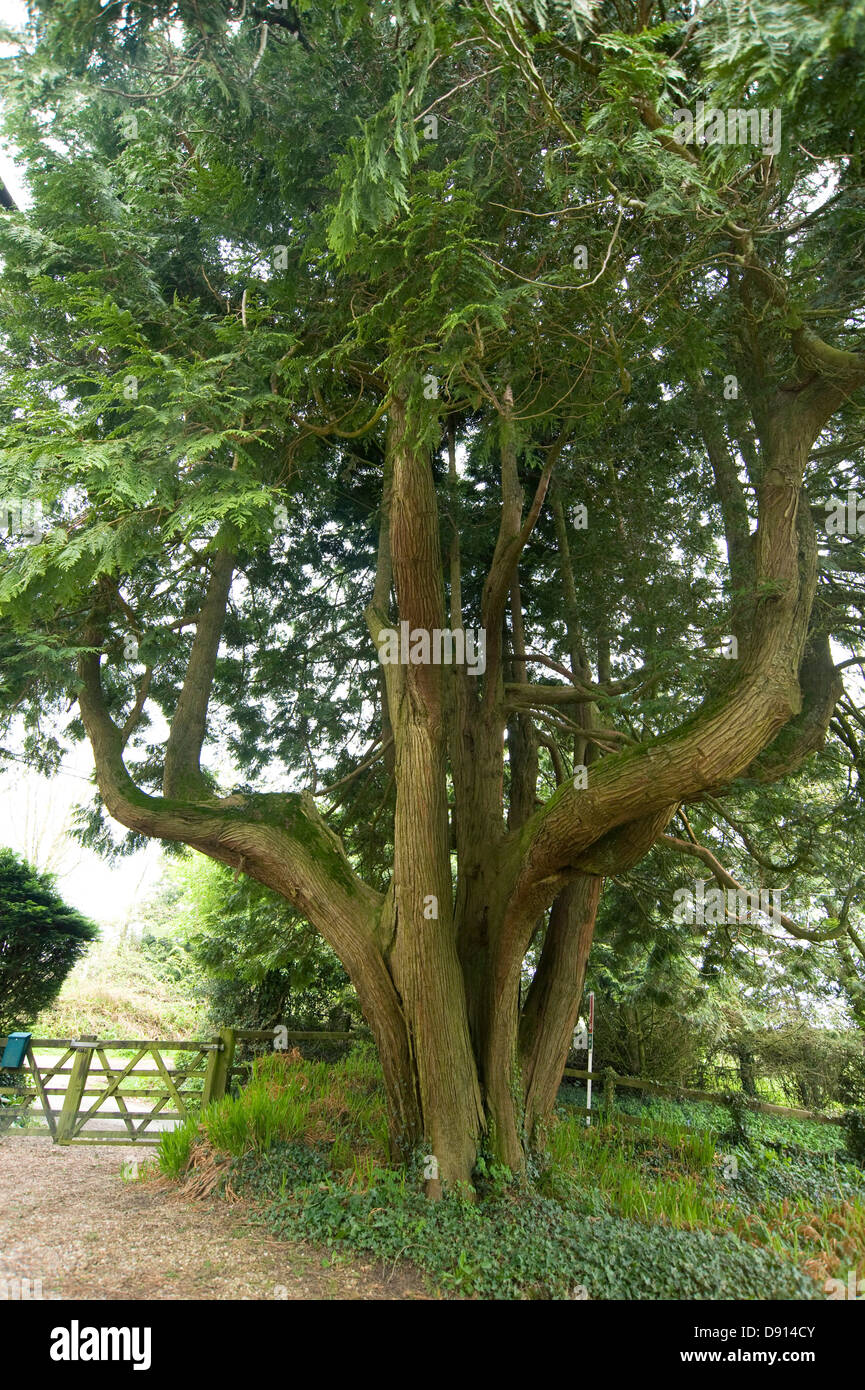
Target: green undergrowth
{"points": [[789, 1185], [660, 1204], [511, 1245]]}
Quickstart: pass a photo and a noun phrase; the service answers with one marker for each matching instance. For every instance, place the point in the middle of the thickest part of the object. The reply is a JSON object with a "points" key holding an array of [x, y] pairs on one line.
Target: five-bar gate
{"points": [[105, 1098]]}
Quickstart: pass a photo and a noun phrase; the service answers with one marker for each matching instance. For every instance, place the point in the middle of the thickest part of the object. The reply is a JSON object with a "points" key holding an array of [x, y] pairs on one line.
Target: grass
{"points": [[790, 1187], [660, 1204], [288, 1100]]}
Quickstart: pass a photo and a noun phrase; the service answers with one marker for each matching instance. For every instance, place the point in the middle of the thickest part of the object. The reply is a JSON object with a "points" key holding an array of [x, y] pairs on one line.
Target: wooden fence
{"points": [[611, 1080], [174, 1077], [202, 1071], [169, 1076]]}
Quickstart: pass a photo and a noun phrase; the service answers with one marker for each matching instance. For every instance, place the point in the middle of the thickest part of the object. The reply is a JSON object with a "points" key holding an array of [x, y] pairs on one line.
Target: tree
{"points": [[41, 938], [447, 294], [260, 962]]}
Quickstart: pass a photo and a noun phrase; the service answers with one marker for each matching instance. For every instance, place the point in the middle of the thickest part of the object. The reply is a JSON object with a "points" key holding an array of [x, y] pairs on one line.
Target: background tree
{"points": [[41, 938], [259, 962]]}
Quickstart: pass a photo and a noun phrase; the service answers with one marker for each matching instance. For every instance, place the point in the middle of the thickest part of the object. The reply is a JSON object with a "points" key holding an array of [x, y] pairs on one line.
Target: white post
{"points": [[589, 1063]]}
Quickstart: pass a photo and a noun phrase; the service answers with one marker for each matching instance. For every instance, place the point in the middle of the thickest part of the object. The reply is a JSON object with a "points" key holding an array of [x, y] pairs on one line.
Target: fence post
{"points": [[609, 1094], [219, 1064], [74, 1096]]}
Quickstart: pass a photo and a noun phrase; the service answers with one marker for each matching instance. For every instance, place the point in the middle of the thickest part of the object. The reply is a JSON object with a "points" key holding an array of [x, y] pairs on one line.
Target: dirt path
{"points": [[67, 1217]]}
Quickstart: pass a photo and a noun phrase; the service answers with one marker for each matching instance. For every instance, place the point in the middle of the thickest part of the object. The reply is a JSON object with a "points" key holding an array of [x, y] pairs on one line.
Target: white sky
{"points": [[35, 814], [12, 14]]}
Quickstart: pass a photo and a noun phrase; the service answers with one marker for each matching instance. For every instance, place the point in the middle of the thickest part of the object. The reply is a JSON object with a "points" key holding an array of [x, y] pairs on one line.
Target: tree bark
{"points": [[423, 954], [553, 1001]]}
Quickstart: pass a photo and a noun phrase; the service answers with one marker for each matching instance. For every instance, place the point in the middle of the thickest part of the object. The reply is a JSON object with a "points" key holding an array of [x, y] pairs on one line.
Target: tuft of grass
{"points": [[174, 1154], [338, 1106]]}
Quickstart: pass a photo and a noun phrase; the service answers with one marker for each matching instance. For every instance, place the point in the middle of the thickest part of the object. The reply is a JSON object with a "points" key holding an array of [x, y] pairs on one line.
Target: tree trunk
{"points": [[553, 1002], [438, 962], [423, 953]]}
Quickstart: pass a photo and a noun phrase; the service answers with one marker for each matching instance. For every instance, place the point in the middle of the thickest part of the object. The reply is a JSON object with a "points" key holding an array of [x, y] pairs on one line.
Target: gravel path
{"points": [[67, 1217]]}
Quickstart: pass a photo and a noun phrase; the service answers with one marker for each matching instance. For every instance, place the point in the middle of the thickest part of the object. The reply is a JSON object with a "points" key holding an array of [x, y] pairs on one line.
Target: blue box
{"points": [[15, 1050]]}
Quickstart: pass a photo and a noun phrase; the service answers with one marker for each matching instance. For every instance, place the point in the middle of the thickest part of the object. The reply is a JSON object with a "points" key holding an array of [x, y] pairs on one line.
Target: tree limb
{"points": [[726, 880], [182, 773]]}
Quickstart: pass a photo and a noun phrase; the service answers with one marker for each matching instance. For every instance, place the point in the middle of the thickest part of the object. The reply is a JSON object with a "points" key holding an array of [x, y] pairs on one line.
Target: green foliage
{"points": [[629, 1212], [738, 1133], [259, 962], [150, 257], [714, 1012], [792, 1188], [781, 1157], [778, 1171], [254, 1121], [41, 938]]}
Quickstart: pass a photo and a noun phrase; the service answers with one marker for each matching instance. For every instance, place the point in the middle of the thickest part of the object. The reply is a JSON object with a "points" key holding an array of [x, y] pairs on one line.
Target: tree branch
{"points": [[511, 541], [6, 199], [135, 712], [182, 773], [726, 880]]}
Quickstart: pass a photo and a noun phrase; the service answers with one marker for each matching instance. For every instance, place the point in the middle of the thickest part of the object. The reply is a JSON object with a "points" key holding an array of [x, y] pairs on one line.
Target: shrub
{"points": [[812, 1067], [261, 963], [40, 940], [738, 1133]]}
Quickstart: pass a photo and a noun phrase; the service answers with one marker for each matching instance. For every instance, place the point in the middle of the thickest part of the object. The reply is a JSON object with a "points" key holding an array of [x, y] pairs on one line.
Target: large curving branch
{"points": [[283, 843], [280, 840], [727, 735]]}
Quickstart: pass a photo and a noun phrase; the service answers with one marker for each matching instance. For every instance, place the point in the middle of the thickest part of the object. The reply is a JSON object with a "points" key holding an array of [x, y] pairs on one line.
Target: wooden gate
{"points": [[89, 1081]]}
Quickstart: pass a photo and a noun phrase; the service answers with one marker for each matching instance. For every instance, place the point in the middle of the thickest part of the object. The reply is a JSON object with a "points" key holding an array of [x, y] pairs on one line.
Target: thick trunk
{"points": [[423, 952], [610, 825], [553, 1000], [423, 960]]}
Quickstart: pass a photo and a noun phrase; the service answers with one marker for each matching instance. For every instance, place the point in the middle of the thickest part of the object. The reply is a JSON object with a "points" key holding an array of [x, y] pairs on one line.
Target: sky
{"points": [[35, 812], [35, 817], [13, 14]]}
